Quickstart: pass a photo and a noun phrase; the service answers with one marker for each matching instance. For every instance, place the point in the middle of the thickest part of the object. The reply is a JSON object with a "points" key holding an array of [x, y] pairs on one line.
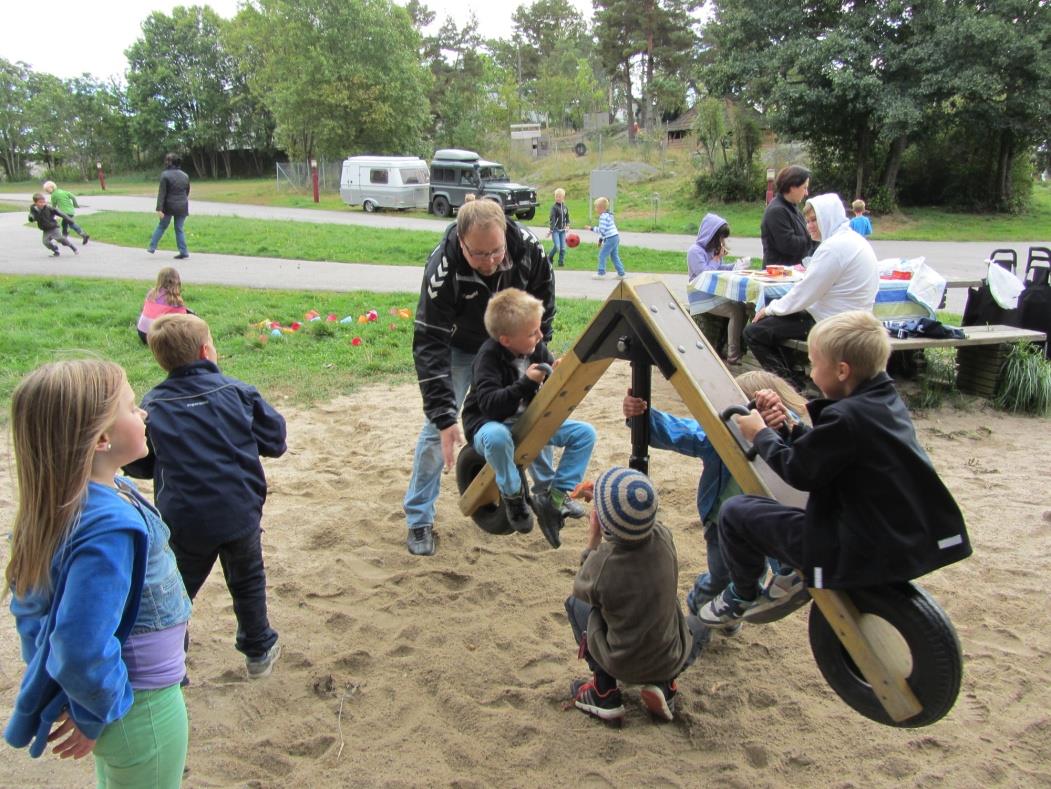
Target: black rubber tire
{"points": [[491, 518], [368, 206], [527, 215], [580, 149], [441, 206], [937, 662]]}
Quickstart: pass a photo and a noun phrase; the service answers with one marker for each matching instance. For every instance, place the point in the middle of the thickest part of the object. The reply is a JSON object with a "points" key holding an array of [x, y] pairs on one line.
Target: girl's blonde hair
{"points": [[560, 193], [58, 413], [168, 279], [754, 380]]}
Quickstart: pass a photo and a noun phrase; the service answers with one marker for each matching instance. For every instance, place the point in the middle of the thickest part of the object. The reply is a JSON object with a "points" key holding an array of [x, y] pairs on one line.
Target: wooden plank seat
{"points": [[979, 356]]}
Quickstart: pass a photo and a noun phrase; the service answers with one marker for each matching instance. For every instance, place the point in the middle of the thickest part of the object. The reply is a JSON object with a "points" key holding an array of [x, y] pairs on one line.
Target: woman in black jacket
{"points": [[784, 234], [173, 202]]}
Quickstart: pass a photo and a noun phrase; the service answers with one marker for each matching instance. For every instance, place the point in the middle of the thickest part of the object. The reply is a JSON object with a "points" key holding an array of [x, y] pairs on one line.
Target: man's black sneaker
{"points": [[421, 540], [85, 241], [181, 256], [550, 517], [518, 514], [660, 699], [608, 707]]}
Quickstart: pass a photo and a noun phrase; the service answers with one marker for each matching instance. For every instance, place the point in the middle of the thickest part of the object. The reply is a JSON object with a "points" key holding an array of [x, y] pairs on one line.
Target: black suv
{"points": [[456, 172]]}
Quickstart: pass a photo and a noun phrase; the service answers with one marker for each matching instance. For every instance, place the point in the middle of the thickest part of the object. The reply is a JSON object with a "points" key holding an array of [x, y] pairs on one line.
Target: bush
{"points": [[732, 183], [1026, 381]]}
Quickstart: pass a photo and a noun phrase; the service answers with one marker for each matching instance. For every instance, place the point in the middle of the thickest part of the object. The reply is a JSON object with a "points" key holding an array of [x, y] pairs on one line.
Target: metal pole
{"points": [[313, 178], [102, 176], [641, 377]]}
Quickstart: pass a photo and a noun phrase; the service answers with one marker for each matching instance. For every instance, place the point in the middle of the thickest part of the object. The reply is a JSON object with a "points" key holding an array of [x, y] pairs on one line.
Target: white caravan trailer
{"points": [[376, 182]]}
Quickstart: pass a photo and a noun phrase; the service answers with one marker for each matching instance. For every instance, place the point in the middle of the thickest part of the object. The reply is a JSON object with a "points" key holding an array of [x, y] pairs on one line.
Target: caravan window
{"points": [[378, 176], [413, 175]]}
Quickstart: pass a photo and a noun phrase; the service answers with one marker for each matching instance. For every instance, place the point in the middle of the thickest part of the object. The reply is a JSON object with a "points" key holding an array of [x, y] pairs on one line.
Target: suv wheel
{"points": [[528, 214], [441, 206]]}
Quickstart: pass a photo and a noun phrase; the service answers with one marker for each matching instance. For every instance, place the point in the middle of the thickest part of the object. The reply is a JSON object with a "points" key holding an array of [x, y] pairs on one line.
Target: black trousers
{"points": [[752, 528], [764, 341], [242, 563]]}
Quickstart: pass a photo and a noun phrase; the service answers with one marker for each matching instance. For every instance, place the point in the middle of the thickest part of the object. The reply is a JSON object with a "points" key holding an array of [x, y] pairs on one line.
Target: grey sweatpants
{"points": [[53, 235]]}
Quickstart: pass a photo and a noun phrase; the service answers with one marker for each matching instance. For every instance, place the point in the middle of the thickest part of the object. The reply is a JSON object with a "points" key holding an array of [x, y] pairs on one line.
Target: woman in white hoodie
{"points": [[842, 275]]}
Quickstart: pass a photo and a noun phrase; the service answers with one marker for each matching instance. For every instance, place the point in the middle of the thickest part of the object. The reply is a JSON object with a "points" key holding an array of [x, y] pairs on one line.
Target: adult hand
{"points": [[73, 741], [750, 425], [451, 439], [759, 315], [633, 406], [160, 215]]}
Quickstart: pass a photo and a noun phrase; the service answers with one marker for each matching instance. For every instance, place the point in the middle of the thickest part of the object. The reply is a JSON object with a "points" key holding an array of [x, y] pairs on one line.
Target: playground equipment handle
{"points": [[750, 452], [547, 368]]}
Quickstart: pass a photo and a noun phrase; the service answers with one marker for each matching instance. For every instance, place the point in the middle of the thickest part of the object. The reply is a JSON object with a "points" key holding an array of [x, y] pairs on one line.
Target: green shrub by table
{"points": [[1025, 382]]}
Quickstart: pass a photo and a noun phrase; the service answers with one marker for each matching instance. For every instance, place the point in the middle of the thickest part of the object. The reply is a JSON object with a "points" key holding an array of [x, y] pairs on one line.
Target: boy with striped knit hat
{"points": [[624, 609]]}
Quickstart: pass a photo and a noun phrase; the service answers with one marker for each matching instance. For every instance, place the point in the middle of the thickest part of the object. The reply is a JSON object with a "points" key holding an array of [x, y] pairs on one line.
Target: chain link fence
{"points": [[295, 176]]}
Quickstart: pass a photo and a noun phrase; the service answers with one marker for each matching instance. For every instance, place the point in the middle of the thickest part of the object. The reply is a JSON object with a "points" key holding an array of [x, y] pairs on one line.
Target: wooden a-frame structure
{"points": [[643, 323]]}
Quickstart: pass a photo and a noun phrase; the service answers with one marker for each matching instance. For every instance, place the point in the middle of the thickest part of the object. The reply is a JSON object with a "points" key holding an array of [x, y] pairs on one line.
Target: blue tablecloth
{"points": [[893, 301]]}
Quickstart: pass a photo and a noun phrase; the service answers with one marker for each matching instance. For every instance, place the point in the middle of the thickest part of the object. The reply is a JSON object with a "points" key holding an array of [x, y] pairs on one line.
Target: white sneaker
{"points": [[598, 276], [622, 276], [783, 594]]}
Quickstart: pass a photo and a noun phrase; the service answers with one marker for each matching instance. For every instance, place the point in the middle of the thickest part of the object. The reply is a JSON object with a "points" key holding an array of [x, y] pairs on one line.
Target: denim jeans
{"points": [[425, 482], [242, 562], [558, 240], [69, 224], [610, 248], [147, 747], [493, 440], [180, 237], [752, 528]]}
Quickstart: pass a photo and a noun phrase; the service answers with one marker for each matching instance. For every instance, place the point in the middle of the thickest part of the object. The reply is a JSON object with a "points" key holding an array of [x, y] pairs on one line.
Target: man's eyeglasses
{"points": [[496, 253]]}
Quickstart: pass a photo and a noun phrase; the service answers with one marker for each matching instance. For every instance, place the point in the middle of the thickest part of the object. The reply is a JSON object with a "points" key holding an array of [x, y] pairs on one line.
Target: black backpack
{"points": [[1034, 305], [981, 308]]}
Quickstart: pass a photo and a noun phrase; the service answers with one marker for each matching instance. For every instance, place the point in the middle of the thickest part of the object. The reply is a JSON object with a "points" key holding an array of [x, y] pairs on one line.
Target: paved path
{"points": [[21, 253]]}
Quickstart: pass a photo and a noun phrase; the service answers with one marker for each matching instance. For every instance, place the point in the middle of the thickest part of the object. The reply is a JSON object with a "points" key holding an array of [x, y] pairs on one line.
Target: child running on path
{"points": [[66, 202], [44, 216], [164, 298], [862, 445], [558, 224], [624, 610], [96, 595], [609, 237], [206, 433], [505, 378]]}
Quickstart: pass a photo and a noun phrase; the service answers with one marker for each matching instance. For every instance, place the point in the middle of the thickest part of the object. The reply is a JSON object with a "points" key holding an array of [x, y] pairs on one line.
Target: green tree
{"points": [[180, 76], [336, 76]]}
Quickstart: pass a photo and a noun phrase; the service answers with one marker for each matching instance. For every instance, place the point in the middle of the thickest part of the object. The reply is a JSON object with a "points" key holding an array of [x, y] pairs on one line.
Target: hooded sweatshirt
{"points": [[698, 261], [842, 274]]}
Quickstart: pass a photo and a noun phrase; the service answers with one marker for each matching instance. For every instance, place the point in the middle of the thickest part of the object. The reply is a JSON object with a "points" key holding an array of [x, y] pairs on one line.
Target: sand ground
{"points": [[453, 670]]}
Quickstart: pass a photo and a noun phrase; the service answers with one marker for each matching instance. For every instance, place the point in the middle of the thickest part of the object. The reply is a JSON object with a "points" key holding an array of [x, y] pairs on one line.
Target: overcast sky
{"points": [[70, 37]]}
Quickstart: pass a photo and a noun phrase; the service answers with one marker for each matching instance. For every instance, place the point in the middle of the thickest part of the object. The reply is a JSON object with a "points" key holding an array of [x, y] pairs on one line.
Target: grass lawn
{"points": [[677, 209], [48, 318], [339, 243], [10, 208]]}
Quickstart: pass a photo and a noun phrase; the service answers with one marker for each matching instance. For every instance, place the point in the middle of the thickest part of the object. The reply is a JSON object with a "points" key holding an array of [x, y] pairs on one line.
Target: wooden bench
{"points": [[979, 356]]}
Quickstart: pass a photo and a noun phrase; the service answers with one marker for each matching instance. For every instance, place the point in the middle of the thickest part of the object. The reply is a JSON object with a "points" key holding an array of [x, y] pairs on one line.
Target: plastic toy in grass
{"points": [[296, 326], [275, 332], [372, 315], [348, 319], [312, 315], [332, 317], [363, 319], [356, 342]]}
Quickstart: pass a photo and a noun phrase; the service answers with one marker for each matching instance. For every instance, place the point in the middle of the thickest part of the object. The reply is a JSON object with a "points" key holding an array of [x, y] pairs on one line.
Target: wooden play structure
{"points": [[889, 652]]}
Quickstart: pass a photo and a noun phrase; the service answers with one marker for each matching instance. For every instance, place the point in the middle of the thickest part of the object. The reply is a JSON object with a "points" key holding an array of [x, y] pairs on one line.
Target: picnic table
{"points": [[893, 301]]}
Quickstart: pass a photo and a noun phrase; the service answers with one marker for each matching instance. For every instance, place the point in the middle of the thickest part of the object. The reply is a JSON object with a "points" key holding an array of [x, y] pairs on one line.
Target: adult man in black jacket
{"points": [[173, 202], [481, 253]]}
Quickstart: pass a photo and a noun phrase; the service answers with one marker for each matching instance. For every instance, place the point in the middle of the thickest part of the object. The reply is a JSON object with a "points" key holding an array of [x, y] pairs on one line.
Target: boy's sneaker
{"points": [[259, 667], [696, 599], [421, 540], [181, 256], [586, 698], [569, 508], [725, 610], [75, 252], [660, 699], [518, 514], [55, 253], [622, 276], [783, 594], [85, 241], [550, 516], [598, 276]]}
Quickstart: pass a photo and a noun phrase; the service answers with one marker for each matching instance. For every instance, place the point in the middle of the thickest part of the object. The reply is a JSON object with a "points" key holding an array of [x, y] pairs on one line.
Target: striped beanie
{"points": [[626, 503]]}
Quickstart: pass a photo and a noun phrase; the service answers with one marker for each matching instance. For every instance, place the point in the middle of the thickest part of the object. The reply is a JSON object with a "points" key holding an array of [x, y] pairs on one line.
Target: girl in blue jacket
{"points": [[98, 601]]}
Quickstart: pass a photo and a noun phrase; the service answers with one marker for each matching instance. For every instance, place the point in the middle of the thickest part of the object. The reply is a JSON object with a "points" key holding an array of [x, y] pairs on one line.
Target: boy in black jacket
{"points": [[877, 514], [44, 216], [505, 377], [206, 432]]}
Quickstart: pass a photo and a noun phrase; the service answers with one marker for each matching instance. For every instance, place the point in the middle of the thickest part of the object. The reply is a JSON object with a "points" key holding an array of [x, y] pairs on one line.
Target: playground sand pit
{"points": [[453, 670]]}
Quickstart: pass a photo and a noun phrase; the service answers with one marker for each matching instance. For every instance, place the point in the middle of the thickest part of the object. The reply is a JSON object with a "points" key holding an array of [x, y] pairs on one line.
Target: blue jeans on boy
{"points": [[425, 483], [558, 240], [69, 224], [180, 237], [610, 248], [493, 440]]}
